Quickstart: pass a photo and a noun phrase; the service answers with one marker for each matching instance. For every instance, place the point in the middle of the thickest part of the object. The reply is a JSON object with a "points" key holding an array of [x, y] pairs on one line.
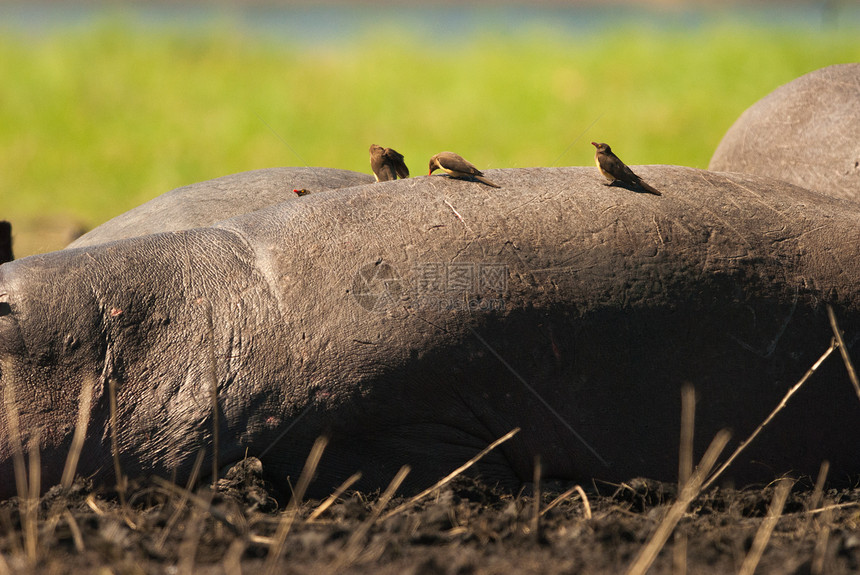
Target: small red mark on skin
{"points": [[115, 312], [555, 351]]}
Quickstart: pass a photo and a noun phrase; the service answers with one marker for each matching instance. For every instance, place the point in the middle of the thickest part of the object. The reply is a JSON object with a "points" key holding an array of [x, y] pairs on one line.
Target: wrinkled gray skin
{"points": [[804, 133], [204, 203], [330, 316]]}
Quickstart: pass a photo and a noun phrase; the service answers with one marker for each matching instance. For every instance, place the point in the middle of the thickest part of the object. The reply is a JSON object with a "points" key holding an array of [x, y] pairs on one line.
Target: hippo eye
{"points": [[5, 308]]}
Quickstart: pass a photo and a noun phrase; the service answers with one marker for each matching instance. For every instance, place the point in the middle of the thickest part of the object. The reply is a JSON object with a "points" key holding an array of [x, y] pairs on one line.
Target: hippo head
{"points": [[129, 315], [45, 341]]}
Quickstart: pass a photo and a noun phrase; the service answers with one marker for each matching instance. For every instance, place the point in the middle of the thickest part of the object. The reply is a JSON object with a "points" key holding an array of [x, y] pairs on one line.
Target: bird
{"points": [[457, 167], [302, 192], [6, 242], [613, 169], [387, 164]]}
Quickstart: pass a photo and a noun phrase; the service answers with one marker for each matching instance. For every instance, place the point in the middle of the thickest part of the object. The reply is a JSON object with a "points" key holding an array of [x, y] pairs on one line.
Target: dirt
{"points": [[465, 527]]}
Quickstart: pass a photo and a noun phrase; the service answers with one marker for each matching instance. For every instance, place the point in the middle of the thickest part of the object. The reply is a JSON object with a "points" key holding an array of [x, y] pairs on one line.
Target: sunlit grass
{"points": [[96, 120]]}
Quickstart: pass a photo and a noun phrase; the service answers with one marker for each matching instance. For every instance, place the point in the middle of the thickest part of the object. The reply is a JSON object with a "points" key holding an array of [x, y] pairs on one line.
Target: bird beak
{"points": [[594, 144]]}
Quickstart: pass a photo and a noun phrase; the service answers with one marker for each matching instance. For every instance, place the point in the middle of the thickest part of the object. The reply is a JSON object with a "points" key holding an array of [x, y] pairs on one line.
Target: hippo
{"points": [[204, 203], [804, 132], [413, 322]]}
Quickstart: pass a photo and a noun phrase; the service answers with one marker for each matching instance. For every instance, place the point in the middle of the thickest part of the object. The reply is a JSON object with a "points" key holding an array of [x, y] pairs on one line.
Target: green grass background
{"points": [[99, 118]]}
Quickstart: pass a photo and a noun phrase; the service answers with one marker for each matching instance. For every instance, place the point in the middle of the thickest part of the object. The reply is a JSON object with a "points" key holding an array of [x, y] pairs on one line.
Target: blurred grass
{"points": [[95, 120]]}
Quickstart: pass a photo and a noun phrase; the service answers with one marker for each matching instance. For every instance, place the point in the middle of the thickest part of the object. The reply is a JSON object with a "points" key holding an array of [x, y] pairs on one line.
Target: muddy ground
{"points": [[463, 528]]}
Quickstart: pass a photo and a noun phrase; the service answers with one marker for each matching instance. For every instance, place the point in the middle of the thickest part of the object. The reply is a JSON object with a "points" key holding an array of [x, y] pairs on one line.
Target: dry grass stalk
{"points": [[354, 545], [20, 467], [816, 497], [447, 479], [91, 503], [575, 489], [685, 469], [232, 562], [76, 531], [688, 424], [849, 365], [201, 502], [777, 409], [213, 386], [834, 507], [114, 442], [183, 498], [819, 553], [764, 532], [334, 496], [690, 491], [535, 520], [679, 554], [818, 491], [276, 549], [4, 566], [84, 404], [12, 538], [188, 548], [14, 430], [31, 525]]}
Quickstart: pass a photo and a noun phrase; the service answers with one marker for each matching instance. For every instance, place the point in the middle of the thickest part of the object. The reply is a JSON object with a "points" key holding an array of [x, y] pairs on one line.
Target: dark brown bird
{"points": [[387, 164], [613, 169], [6, 242], [302, 192], [457, 167]]}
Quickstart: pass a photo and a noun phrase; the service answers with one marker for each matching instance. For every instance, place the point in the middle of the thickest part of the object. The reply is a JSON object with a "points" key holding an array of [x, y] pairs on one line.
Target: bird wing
{"points": [[396, 161], [456, 163], [629, 174], [613, 165]]}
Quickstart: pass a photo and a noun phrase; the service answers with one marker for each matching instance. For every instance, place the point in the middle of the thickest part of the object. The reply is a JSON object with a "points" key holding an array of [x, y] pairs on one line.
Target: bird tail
{"points": [[649, 188], [486, 181]]}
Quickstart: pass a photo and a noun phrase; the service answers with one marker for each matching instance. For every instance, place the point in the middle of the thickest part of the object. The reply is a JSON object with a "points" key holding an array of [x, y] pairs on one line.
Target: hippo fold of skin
{"points": [[805, 133], [415, 321]]}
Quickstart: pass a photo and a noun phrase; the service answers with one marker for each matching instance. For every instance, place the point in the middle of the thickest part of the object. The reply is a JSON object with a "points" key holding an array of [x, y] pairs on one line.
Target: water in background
{"points": [[440, 23]]}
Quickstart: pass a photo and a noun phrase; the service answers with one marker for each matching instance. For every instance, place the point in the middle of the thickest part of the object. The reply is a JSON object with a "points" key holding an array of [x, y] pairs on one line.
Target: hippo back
{"points": [[805, 133]]}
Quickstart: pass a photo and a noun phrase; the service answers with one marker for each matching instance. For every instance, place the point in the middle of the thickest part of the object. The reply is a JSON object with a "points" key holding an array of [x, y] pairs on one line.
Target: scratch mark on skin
{"points": [[716, 216], [659, 231], [612, 207], [411, 312], [456, 213], [779, 240], [514, 250], [757, 196], [821, 227], [771, 348], [562, 269], [522, 205], [540, 398], [461, 251]]}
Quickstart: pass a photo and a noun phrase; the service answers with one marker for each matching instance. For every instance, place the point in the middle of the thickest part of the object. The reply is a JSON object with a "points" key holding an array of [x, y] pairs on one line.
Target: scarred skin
{"points": [[417, 322]]}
